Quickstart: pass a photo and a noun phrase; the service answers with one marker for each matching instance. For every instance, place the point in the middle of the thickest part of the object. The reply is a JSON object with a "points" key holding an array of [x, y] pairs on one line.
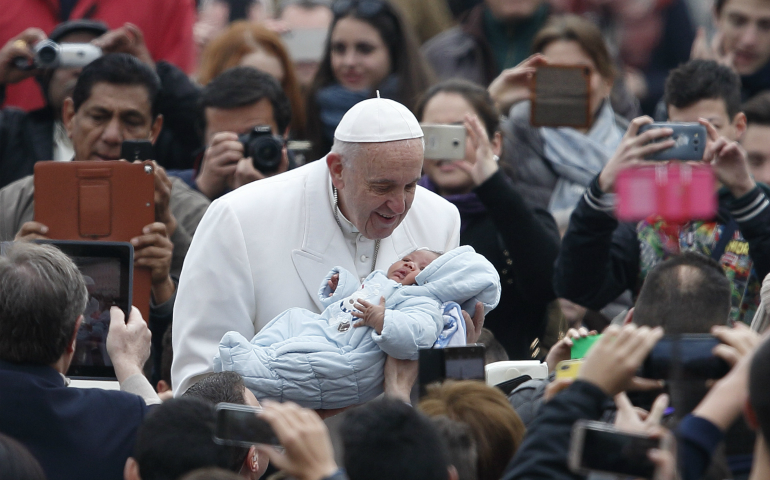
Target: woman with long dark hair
{"points": [[369, 48]]}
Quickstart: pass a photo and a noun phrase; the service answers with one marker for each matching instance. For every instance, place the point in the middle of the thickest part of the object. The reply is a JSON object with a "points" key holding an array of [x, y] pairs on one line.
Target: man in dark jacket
{"points": [[28, 137], [600, 257]]}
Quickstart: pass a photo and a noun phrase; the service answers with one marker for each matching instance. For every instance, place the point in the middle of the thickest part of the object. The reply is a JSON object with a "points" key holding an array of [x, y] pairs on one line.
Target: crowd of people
{"points": [[303, 249]]}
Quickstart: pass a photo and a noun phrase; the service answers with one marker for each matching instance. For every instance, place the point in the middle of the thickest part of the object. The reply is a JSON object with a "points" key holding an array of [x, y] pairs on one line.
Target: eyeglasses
{"points": [[365, 8]]}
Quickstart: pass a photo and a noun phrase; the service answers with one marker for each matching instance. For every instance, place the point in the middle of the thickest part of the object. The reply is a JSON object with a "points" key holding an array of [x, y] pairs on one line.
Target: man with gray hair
{"points": [[75, 433], [263, 248]]}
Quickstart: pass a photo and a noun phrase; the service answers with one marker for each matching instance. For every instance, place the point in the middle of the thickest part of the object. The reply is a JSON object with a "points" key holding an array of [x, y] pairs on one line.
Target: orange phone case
{"points": [[110, 201]]}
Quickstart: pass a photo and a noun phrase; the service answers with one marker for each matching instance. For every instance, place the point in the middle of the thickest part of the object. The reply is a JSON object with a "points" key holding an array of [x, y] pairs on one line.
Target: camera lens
{"points": [[47, 55]]}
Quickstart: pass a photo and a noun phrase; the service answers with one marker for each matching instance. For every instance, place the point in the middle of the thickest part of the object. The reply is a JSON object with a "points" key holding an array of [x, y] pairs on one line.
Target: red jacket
{"points": [[167, 26]]}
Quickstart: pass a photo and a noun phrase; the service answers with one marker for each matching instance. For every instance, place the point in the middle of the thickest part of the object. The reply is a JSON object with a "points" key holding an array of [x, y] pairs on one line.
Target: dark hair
{"points": [[218, 387], [477, 96], [581, 31], [387, 439], [493, 349], [759, 394], [42, 294], [412, 70], [719, 5], [757, 109], [688, 293], [699, 80], [243, 86], [16, 462], [117, 69], [462, 448], [167, 357], [176, 437]]}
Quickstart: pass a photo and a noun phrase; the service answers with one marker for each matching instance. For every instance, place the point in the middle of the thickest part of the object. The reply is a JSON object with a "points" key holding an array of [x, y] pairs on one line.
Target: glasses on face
{"points": [[365, 8]]}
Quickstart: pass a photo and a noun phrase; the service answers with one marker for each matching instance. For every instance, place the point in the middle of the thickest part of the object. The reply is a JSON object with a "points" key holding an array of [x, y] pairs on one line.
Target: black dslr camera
{"points": [[264, 148]]}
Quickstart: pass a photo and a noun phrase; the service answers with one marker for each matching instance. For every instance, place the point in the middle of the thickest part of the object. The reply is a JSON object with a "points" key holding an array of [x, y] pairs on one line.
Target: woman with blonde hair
{"points": [[496, 428], [248, 44]]}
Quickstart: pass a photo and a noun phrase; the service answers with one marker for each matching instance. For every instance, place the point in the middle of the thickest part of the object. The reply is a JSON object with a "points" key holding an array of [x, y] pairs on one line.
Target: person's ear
{"points": [[131, 470], [67, 114], [497, 143], [71, 346], [157, 125], [750, 415], [629, 316], [286, 133], [739, 124], [334, 162], [452, 471], [253, 463]]}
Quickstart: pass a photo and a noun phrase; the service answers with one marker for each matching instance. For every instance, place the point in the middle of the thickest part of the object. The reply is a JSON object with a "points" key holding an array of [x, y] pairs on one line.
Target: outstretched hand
{"points": [[512, 85], [729, 160], [370, 315]]}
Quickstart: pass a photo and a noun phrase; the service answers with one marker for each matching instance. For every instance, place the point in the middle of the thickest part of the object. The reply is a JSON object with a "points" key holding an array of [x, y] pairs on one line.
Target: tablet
{"points": [[107, 268]]}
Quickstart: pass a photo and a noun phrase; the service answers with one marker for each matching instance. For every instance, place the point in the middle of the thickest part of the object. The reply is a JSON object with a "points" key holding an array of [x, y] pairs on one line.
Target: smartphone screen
{"points": [[612, 451], [240, 425], [685, 357]]}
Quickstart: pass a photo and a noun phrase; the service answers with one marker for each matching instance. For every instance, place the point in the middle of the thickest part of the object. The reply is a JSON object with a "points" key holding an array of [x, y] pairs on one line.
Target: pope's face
{"points": [[377, 188]]}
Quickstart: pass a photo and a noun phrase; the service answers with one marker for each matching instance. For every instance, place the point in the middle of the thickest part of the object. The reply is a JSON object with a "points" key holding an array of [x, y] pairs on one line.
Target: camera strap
{"points": [[727, 235]]}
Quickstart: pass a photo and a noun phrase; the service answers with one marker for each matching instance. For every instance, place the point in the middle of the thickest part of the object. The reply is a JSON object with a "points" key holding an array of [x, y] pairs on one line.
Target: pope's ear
{"points": [[335, 164]]}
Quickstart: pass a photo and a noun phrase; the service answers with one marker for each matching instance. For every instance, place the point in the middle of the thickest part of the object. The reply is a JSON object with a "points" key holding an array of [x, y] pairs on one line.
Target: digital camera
{"points": [[264, 148], [49, 54]]}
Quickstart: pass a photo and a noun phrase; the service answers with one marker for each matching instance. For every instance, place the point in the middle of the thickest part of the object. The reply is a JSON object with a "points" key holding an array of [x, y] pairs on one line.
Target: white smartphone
{"points": [[306, 44], [444, 142], [601, 447]]}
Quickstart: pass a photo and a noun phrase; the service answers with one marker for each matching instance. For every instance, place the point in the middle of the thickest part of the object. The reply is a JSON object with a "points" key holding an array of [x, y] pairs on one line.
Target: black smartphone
{"points": [[690, 141], [241, 426], [108, 271], [510, 385], [561, 96], [458, 363], [600, 447], [132, 150], [684, 357]]}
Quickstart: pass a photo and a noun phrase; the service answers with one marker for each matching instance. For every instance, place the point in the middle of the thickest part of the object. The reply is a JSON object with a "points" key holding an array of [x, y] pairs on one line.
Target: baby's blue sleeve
{"points": [[412, 324], [347, 285]]}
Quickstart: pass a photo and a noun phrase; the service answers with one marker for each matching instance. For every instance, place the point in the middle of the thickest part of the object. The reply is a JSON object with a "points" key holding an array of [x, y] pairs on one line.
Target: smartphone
{"points": [[561, 96], [510, 385], [684, 357], [690, 141], [568, 368], [600, 447], [241, 426], [107, 268], [132, 150], [677, 192], [305, 44], [581, 346], [458, 363], [444, 142]]}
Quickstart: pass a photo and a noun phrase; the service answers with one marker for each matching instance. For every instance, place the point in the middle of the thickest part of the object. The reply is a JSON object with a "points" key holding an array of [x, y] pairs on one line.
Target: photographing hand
{"points": [[308, 448], [614, 359], [512, 85], [128, 343], [632, 150], [486, 160], [32, 231], [19, 46], [163, 187], [219, 163], [154, 250], [370, 315], [729, 161], [737, 342], [562, 350], [126, 39], [636, 420]]}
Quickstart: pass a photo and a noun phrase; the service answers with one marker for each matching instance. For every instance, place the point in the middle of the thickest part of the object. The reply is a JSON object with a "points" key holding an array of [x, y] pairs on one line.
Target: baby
{"points": [[319, 361]]}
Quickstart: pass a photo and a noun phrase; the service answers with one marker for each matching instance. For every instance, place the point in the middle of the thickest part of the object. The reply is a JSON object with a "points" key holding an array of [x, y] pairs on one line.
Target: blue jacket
{"points": [[321, 361]]}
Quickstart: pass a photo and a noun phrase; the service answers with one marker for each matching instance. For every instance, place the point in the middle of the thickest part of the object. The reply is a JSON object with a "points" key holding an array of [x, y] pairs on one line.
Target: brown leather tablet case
{"points": [[98, 201]]}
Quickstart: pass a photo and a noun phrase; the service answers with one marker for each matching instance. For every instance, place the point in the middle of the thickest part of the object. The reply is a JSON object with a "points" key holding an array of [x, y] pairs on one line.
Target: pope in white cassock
{"points": [[267, 246]]}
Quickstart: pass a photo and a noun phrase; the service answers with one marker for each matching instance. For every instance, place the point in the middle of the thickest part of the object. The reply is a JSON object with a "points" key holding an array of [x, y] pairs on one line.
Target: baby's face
{"points": [[405, 270]]}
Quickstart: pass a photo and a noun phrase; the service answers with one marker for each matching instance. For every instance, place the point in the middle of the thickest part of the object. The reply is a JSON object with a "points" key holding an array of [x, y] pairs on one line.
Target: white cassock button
{"points": [[364, 258]]}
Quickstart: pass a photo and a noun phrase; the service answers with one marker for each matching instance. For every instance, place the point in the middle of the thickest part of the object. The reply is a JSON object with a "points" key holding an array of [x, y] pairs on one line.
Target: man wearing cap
{"points": [[29, 137], [265, 247]]}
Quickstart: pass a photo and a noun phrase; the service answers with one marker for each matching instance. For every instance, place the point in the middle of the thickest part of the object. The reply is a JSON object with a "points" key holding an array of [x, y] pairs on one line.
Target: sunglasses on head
{"points": [[365, 8]]}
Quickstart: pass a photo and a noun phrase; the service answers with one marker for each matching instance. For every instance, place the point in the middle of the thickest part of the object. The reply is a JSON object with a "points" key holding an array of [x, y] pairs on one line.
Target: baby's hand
{"points": [[370, 315], [333, 282]]}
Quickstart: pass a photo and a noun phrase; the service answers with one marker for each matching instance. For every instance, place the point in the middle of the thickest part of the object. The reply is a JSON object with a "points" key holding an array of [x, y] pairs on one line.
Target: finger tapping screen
{"points": [[102, 277]]}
